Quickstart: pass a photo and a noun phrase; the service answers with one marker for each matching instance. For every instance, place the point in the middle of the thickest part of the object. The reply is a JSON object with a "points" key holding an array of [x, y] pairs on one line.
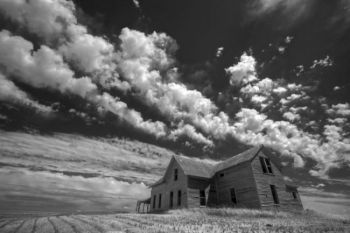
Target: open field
{"points": [[196, 220]]}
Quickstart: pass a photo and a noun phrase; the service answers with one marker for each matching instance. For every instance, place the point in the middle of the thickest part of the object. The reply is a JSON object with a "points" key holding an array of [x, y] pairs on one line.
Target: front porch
{"points": [[146, 204]]}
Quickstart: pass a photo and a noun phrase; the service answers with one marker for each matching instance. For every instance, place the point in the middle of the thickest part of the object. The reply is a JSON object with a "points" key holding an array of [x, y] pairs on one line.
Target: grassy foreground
{"points": [[192, 220]]}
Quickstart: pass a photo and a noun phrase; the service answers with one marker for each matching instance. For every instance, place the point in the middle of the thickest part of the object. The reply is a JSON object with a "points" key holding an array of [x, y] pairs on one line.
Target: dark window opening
{"points": [[171, 199], [175, 174], [154, 201], [266, 165], [179, 198], [274, 194], [160, 201], [233, 196], [202, 197], [222, 174], [295, 196], [263, 166]]}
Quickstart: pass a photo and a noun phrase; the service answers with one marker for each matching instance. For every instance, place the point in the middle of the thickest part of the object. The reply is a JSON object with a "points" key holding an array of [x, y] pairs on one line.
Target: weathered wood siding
{"points": [[263, 182], [170, 185], [196, 184], [240, 178]]}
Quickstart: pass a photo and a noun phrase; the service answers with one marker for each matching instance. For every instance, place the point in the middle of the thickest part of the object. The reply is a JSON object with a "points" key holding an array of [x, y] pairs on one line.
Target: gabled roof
{"points": [[195, 167], [238, 159], [201, 168]]}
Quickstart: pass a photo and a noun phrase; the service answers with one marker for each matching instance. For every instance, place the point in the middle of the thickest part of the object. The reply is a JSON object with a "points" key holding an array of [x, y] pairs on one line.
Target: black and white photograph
{"points": [[166, 116]]}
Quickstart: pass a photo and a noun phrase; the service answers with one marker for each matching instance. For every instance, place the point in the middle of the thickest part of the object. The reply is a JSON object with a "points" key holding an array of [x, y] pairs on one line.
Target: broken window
{"points": [[160, 201], [233, 196], [175, 174], [274, 194], [202, 197], [171, 199], [179, 198], [154, 201], [266, 165]]}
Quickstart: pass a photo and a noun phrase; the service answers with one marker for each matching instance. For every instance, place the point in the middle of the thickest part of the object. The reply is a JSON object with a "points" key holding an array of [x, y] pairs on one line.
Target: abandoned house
{"points": [[247, 180]]}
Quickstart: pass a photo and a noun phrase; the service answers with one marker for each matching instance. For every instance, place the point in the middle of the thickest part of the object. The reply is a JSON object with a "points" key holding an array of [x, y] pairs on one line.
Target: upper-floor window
{"points": [[266, 165], [175, 174]]}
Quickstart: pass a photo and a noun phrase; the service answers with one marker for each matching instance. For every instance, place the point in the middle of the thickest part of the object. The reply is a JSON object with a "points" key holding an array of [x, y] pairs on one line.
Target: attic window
{"points": [[222, 174], [266, 165], [175, 174]]}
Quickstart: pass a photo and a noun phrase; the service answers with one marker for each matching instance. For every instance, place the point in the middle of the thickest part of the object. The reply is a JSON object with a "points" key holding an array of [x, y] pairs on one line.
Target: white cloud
{"points": [[281, 49], [258, 99], [243, 72], [279, 90], [54, 21], [146, 63], [325, 62], [11, 93], [48, 18], [255, 128], [264, 86], [45, 68], [219, 51], [288, 39], [339, 109], [291, 116], [190, 131], [136, 3]]}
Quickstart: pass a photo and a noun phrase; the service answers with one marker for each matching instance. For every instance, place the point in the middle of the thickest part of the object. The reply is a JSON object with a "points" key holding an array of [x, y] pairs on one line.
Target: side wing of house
{"points": [[199, 191], [171, 192], [271, 187], [235, 187]]}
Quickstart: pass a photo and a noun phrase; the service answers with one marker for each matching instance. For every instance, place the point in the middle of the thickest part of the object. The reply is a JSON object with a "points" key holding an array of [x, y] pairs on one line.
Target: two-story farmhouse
{"points": [[247, 180]]}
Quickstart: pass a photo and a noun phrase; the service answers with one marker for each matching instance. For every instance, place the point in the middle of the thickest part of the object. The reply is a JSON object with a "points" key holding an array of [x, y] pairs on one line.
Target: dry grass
{"points": [[213, 220]]}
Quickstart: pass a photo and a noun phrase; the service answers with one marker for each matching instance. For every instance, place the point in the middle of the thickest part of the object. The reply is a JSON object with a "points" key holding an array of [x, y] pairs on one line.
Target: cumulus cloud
{"points": [[288, 39], [219, 51], [9, 92], [279, 90], [325, 62], [146, 64], [291, 116], [190, 131], [54, 21], [47, 18], [254, 128], [136, 3], [263, 86], [142, 59], [243, 72], [339, 109], [45, 68]]}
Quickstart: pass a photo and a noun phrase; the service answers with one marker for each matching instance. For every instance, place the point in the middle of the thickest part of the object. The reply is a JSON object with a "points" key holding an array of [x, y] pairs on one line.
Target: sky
{"points": [[85, 86]]}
